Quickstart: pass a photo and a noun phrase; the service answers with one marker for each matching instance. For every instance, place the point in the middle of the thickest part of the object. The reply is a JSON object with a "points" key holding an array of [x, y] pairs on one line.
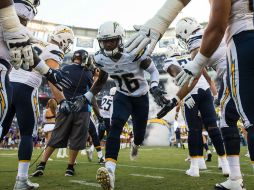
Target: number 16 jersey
{"points": [[126, 73]]}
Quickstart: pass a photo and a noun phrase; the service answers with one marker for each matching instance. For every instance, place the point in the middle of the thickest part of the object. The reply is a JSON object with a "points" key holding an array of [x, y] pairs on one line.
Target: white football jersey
{"points": [[218, 60], [126, 72], [181, 61], [240, 19], [45, 51], [106, 107]]}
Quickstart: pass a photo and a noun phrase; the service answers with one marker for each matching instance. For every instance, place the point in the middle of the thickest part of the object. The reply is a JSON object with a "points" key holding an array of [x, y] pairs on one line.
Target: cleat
{"points": [[39, 171], [24, 184], [69, 172], [202, 164], [230, 185], [134, 151], [89, 154], [193, 172], [101, 160], [106, 178], [209, 157]]}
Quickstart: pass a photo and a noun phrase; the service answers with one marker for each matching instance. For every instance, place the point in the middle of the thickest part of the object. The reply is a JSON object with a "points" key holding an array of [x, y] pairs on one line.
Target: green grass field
{"points": [[158, 168]]}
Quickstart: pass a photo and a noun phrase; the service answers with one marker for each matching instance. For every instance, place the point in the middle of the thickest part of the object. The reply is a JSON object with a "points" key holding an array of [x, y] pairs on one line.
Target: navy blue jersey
{"points": [[82, 80]]}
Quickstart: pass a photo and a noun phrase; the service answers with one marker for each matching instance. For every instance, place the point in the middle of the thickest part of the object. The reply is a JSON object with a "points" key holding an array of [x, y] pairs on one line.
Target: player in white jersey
{"points": [[25, 86], [131, 97], [229, 113], [6, 57], [199, 100], [106, 110]]}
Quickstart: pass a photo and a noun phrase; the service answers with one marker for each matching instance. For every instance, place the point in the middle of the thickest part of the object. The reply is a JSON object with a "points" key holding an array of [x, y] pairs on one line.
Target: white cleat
{"points": [[202, 164], [230, 185], [193, 172], [134, 151], [24, 184], [89, 154], [106, 178]]}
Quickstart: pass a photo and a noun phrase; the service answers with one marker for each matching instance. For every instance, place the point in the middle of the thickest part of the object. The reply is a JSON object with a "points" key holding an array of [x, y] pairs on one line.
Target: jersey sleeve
{"points": [[52, 52], [170, 61], [195, 40]]}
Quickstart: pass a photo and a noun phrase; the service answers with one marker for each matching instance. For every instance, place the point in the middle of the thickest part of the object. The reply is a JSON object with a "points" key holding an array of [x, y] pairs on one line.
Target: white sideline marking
{"points": [[5, 154], [148, 176], [82, 182]]}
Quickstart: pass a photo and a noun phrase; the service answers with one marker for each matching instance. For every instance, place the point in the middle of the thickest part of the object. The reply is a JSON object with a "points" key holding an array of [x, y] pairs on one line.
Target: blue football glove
{"points": [[167, 108], [158, 95]]}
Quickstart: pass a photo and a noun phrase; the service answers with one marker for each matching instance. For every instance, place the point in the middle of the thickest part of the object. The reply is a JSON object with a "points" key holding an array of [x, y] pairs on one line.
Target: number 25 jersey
{"points": [[126, 73]]}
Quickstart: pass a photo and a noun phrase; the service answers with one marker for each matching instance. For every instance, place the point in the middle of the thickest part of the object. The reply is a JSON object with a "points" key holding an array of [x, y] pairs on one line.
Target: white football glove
{"points": [[191, 70], [155, 27], [20, 48], [189, 102], [141, 39]]}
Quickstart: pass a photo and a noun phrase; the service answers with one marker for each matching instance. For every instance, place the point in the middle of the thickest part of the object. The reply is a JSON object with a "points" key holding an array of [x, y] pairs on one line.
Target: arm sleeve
{"points": [[154, 75]]}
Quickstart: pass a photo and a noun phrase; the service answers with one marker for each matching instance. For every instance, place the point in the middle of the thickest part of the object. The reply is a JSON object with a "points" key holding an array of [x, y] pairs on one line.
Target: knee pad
{"points": [[213, 131], [231, 139]]}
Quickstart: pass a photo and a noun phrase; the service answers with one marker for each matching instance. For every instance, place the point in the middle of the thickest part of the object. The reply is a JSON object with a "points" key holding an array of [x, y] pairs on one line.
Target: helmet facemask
{"points": [[116, 50]]}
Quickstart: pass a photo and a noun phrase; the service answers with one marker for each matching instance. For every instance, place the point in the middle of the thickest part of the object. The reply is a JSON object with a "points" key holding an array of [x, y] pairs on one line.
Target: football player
{"points": [[228, 122], [106, 110], [6, 57], [199, 100], [132, 88], [25, 94]]}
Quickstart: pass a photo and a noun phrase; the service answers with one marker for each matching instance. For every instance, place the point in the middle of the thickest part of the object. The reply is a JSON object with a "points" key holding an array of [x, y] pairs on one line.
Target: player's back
{"points": [[241, 17], [106, 106]]}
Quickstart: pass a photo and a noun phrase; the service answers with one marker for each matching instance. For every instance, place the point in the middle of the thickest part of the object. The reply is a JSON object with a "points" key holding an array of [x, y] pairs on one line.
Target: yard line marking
{"points": [[147, 176], [5, 154], [82, 182], [149, 167]]}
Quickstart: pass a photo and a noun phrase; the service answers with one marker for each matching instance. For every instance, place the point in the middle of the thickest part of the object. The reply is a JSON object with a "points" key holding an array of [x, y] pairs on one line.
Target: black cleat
{"points": [[39, 171]]}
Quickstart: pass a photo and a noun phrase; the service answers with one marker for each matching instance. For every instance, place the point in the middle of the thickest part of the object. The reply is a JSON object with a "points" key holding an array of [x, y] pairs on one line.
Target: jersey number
{"points": [[131, 84], [106, 104]]}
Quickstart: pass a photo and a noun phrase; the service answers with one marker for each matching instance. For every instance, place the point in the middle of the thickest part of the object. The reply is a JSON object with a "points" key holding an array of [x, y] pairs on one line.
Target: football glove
{"points": [[20, 48], [189, 102], [80, 101], [167, 108], [191, 70], [58, 78], [65, 106], [158, 95], [141, 39]]}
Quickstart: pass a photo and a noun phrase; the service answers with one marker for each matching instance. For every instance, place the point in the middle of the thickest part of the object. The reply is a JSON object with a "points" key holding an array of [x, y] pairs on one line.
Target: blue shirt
{"points": [[82, 80]]}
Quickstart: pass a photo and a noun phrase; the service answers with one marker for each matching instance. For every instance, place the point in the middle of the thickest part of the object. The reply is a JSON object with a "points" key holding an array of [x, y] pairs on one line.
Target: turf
{"points": [[157, 168]]}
